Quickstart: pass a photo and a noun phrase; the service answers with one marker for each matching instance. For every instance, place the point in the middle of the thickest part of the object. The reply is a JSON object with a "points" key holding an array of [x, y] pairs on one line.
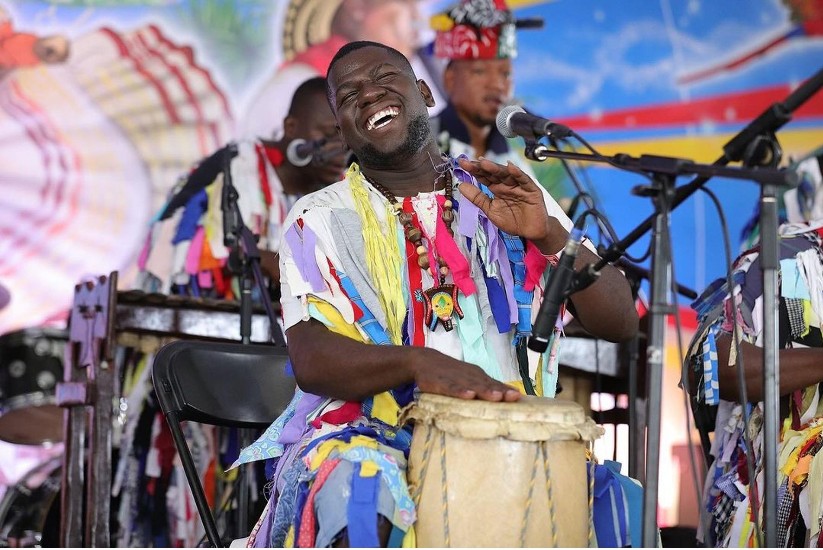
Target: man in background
{"points": [[269, 177], [477, 39]]}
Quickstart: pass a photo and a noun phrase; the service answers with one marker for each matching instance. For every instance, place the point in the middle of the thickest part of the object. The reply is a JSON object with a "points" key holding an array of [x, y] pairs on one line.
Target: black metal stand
{"points": [[659, 308], [637, 429], [244, 261]]}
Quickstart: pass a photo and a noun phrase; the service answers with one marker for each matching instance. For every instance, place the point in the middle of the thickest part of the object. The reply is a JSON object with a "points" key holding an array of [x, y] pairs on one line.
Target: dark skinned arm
{"points": [[606, 308], [799, 368], [269, 264], [332, 365]]}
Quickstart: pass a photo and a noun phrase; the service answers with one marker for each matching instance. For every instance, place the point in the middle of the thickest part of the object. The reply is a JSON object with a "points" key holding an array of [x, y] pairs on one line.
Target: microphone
{"points": [[555, 295], [300, 152], [513, 121]]}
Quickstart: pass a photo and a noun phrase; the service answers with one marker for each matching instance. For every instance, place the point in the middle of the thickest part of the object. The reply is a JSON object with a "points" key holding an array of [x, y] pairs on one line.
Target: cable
{"points": [[741, 381], [584, 191], [609, 228], [575, 201], [604, 226]]}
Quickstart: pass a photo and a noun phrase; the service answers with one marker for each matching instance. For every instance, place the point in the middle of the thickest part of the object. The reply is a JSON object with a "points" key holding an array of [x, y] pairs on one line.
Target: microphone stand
{"points": [[244, 261], [243, 243], [663, 172], [637, 428], [634, 274]]}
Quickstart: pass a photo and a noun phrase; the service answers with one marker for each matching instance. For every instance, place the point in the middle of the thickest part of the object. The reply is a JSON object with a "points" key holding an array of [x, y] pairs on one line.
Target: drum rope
{"points": [[544, 449], [445, 493], [590, 462], [527, 511], [417, 490]]}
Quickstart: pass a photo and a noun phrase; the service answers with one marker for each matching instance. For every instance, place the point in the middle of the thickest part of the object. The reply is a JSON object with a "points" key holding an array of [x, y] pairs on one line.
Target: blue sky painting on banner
{"points": [[659, 69]]}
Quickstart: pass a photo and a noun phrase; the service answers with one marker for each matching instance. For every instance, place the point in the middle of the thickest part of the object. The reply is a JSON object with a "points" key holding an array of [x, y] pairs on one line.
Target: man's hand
{"points": [[329, 364], [270, 265], [463, 380], [517, 207]]}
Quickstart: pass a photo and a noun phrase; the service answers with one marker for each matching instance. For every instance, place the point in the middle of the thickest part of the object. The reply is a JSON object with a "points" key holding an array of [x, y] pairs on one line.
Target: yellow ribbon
{"points": [[383, 257]]}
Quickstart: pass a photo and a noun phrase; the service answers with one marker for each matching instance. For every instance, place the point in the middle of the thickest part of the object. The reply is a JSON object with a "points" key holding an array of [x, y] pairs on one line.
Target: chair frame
{"points": [[222, 384]]}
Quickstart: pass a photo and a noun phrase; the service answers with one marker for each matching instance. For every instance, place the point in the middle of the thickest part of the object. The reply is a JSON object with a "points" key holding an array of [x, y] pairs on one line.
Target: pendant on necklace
{"points": [[440, 303]]}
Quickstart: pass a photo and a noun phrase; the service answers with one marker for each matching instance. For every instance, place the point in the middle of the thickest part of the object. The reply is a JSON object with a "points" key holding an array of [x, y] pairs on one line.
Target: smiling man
{"points": [[387, 291]]}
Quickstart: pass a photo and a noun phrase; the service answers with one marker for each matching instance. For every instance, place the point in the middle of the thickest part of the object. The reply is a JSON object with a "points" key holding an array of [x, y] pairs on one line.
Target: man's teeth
{"points": [[381, 118]]}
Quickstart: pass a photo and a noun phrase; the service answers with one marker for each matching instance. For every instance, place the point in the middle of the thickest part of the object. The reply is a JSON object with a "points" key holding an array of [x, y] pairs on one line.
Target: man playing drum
{"points": [[440, 262]]}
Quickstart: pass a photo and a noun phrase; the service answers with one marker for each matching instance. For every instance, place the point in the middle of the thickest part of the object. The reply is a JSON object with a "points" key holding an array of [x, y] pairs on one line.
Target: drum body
{"points": [[30, 510], [489, 474], [31, 365]]}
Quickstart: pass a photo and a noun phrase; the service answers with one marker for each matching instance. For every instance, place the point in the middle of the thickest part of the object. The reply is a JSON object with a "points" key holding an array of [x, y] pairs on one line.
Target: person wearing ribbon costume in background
{"points": [[268, 184], [417, 272], [729, 496]]}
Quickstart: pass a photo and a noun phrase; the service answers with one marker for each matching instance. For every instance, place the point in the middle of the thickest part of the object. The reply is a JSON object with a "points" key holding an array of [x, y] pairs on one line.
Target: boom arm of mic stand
{"points": [[668, 166], [768, 122], [772, 118], [664, 169]]}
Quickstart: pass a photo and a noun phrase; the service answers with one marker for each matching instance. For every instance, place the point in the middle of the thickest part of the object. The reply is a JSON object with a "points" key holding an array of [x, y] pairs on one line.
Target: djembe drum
{"points": [[500, 474]]}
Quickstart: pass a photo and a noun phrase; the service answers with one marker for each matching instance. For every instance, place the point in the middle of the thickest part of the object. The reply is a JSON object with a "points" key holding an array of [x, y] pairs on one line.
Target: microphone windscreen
{"points": [[299, 152], [503, 117]]}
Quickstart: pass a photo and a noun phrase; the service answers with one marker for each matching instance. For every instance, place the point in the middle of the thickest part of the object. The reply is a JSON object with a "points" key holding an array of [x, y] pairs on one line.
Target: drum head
{"points": [[30, 510], [531, 418], [31, 365], [32, 425]]}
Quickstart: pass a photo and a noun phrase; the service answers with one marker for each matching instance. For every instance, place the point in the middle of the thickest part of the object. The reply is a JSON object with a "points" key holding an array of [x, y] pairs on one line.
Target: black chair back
{"points": [[223, 384]]}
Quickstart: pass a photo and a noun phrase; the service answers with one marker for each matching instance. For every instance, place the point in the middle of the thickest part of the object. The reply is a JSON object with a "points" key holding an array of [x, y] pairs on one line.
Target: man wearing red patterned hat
{"points": [[478, 39]]}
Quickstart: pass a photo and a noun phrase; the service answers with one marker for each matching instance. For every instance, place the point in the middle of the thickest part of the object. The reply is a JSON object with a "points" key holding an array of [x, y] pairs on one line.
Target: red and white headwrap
{"points": [[475, 29]]}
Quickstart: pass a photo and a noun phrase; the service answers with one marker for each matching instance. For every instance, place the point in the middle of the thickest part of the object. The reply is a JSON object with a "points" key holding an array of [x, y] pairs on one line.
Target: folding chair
{"points": [[222, 384]]}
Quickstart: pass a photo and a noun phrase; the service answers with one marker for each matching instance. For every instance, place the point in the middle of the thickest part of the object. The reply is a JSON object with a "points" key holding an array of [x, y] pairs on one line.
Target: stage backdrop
{"points": [[104, 104]]}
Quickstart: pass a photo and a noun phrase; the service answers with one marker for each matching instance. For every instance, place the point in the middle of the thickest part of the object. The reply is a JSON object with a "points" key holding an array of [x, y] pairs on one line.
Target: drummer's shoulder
{"points": [[335, 195]]}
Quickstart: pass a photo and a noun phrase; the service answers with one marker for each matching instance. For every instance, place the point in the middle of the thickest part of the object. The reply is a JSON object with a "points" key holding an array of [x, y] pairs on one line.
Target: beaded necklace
{"points": [[440, 301]]}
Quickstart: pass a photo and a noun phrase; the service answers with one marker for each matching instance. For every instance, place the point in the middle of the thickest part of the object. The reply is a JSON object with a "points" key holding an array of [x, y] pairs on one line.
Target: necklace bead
{"points": [[415, 234]]}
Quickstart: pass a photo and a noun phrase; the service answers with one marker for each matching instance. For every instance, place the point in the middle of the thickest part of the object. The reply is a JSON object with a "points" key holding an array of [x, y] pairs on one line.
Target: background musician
{"points": [[269, 176]]}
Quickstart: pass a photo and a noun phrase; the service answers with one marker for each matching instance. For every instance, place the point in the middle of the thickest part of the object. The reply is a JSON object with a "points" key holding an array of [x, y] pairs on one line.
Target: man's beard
{"points": [[416, 138]]}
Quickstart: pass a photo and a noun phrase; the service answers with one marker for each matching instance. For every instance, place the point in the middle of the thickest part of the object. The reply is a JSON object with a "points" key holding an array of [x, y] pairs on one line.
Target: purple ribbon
{"points": [[302, 243], [470, 217]]}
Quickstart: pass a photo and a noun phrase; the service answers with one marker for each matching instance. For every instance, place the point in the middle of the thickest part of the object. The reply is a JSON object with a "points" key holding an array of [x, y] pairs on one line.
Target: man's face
{"points": [[381, 109], [478, 88]]}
